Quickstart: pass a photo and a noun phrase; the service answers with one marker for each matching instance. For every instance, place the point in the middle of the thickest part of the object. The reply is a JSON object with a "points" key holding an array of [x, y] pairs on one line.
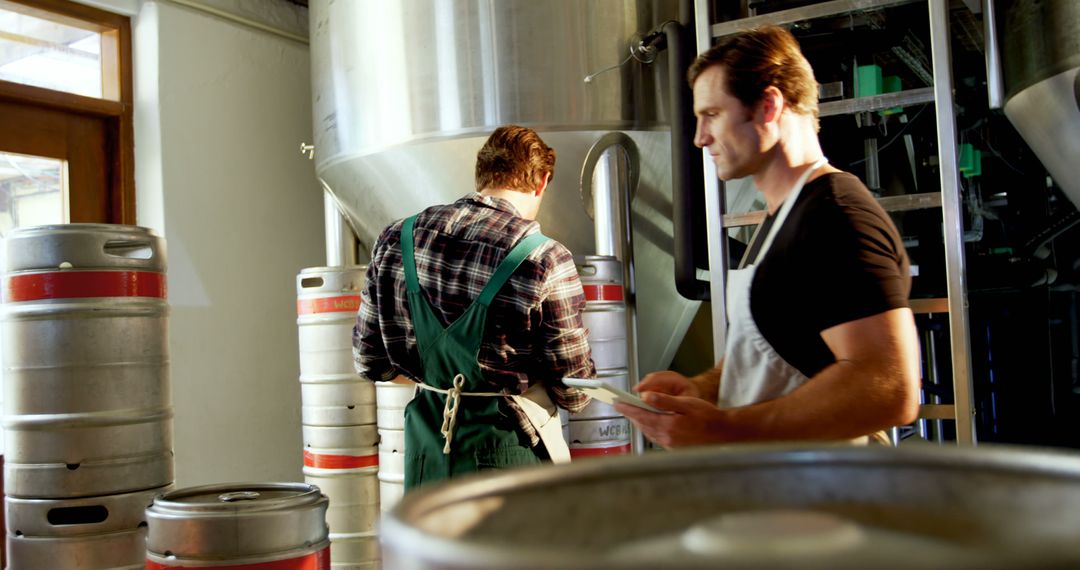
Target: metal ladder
{"points": [[948, 199]]}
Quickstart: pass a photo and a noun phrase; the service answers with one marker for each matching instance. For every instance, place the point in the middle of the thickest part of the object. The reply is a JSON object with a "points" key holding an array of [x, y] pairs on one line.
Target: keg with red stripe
{"points": [[605, 309], [599, 430], [338, 413], [343, 461], [84, 320], [241, 526], [327, 299], [594, 438]]}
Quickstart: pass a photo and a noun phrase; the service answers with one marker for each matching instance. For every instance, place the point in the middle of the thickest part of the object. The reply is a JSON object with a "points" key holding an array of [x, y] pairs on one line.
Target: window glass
{"points": [[42, 53], [32, 191]]}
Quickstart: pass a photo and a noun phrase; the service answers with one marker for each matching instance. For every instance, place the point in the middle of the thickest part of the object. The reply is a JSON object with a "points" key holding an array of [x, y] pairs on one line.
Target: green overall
{"points": [[481, 432]]}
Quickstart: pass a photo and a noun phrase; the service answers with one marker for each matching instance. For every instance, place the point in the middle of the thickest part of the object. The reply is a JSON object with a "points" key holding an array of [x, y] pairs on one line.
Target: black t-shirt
{"points": [[837, 259]]}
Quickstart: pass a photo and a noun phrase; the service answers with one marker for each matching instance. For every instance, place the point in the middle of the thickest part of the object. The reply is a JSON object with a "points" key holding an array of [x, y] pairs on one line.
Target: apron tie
{"points": [[450, 409]]}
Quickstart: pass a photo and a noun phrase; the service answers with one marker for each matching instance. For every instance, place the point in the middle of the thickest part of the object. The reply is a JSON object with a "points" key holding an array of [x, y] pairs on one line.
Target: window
{"points": [[66, 138]]}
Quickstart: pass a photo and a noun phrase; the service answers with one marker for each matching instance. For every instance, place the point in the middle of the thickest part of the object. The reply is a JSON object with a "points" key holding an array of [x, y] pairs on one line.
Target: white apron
{"points": [[753, 371]]}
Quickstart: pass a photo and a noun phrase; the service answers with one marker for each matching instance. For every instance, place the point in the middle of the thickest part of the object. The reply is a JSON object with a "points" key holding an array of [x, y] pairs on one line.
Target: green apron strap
{"points": [[509, 265], [412, 284]]}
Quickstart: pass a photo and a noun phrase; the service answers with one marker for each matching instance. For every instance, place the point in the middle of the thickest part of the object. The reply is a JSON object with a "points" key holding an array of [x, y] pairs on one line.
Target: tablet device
{"points": [[610, 394]]}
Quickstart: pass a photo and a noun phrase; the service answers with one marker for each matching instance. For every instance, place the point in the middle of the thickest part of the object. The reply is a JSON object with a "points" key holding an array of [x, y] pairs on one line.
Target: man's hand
{"points": [[693, 421], [667, 382]]}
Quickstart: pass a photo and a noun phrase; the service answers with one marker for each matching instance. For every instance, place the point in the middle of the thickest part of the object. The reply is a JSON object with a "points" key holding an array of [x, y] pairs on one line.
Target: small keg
{"points": [[391, 467], [94, 533], [590, 438], [599, 410], [758, 507], [359, 552], [239, 526], [344, 462], [391, 399], [336, 400], [87, 392], [327, 299], [605, 309]]}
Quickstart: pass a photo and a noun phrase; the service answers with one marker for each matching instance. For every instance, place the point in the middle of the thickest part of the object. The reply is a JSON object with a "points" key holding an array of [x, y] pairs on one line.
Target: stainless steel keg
{"points": [[596, 409], [753, 507], [95, 533], [391, 399], [327, 299], [239, 525], [86, 383], [605, 309], [391, 467], [607, 436], [337, 400]]}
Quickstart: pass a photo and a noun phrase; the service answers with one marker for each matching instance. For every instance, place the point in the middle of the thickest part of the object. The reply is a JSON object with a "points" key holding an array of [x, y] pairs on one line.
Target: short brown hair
{"points": [[515, 158], [760, 58]]}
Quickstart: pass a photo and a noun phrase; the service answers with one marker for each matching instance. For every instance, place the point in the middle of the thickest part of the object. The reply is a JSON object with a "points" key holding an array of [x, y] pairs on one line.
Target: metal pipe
{"points": [[686, 192], [604, 196], [995, 84], [611, 172], [341, 243]]}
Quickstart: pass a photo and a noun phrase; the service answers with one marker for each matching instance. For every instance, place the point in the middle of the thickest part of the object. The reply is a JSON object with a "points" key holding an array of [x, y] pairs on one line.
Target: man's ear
{"points": [[543, 185], [771, 104]]}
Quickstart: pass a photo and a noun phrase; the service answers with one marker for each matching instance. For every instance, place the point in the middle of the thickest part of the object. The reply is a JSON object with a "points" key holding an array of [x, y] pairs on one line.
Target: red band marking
{"points": [[315, 561], [83, 284], [324, 461], [603, 292], [343, 304], [595, 451]]}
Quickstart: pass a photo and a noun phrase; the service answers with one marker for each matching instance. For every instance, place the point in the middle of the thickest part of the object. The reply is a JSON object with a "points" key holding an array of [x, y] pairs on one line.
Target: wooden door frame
{"points": [[113, 112]]}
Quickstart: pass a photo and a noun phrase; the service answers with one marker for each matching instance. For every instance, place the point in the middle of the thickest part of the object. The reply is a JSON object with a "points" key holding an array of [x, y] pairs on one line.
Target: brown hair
{"points": [[760, 58], [513, 157]]}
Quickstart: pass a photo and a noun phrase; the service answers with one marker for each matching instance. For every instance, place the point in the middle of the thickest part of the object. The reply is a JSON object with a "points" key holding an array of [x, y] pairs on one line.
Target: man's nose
{"points": [[701, 137]]}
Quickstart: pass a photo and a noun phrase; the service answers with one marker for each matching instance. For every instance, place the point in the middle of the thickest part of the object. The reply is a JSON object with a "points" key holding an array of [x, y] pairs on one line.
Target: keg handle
{"points": [[238, 496], [311, 282], [139, 249]]}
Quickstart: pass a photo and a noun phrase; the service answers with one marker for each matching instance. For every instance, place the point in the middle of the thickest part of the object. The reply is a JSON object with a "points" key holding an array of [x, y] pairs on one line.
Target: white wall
{"points": [[220, 112]]}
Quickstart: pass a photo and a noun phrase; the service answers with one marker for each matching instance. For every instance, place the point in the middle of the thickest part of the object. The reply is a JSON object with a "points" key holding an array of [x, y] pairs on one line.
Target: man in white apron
{"points": [[821, 343]]}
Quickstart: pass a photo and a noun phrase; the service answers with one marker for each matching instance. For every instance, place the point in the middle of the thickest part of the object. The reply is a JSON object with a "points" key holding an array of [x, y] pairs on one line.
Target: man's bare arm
{"points": [[873, 385]]}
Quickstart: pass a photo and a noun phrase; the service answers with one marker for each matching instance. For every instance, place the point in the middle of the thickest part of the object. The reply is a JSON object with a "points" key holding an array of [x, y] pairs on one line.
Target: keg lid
{"points": [[234, 497], [250, 522]]}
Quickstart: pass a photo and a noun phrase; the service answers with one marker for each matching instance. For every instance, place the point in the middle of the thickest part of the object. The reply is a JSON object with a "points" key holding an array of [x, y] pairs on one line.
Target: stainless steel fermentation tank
{"points": [[406, 92], [1041, 64]]}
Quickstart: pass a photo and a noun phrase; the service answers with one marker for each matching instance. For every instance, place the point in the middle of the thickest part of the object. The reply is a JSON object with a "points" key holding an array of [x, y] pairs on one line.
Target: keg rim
{"points": [[334, 269], [400, 532], [78, 227], [210, 499]]}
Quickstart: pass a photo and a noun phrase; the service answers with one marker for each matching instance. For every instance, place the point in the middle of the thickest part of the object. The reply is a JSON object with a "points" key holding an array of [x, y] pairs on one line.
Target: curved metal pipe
{"points": [[687, 192], [620, 232]]}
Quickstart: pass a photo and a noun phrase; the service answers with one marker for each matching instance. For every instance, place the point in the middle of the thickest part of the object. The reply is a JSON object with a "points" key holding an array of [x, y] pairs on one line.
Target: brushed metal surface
{"points": [[1041, 67], [406, 92], [925, 507], [237, 522]]}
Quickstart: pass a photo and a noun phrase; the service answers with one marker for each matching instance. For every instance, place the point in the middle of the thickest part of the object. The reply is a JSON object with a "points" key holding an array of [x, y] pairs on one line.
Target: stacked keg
{"points": [[338, 413], [392, 399], [89, 411], [243, 526], [599, 429]]}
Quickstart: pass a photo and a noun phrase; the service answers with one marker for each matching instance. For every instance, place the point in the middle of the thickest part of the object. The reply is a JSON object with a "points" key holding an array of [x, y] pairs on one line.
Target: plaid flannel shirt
{"points": [[534, 332]]}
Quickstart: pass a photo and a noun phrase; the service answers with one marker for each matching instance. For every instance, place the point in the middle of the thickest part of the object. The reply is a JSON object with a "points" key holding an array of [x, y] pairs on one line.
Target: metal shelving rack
{"points": [[948, 199]]}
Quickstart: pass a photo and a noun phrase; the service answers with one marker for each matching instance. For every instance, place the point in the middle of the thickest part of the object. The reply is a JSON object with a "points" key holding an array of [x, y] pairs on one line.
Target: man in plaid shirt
{"points": [[533, 336]]}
